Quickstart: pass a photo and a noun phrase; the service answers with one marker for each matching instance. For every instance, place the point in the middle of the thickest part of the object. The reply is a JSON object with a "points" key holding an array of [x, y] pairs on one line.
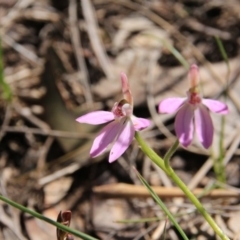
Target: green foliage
{"points": [[6, 90], [176, 54], [219, 167], [48, 220], [170, 172], [162, 205]]}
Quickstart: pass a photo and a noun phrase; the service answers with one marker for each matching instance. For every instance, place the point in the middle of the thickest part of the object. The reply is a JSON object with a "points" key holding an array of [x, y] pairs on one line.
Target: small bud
{"points": [[193, 76], [65, 219], [126, 89]]}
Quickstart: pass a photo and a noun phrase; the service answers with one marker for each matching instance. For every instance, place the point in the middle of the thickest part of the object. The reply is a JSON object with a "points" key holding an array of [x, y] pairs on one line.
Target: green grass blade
{"points": [[222, 51], [162, 205], [173, 50], [7, 93], [141, 220], [153, 219], [176, 54], [164, 236], [219, 164], [48, 220]]}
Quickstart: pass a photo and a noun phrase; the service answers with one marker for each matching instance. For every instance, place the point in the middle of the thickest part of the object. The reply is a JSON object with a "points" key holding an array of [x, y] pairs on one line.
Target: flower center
{"points": [[122, 109], [194, 98]]}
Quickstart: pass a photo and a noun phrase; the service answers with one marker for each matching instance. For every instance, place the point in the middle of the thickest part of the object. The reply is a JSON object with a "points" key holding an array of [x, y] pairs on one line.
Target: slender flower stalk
{"points": [[193, 110], [169, 154], [120, 131], [169, 171]]}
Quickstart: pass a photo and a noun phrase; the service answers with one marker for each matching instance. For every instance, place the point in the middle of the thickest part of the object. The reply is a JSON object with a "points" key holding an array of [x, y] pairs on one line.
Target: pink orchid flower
{"points": [[191, 111], [121, 128]]}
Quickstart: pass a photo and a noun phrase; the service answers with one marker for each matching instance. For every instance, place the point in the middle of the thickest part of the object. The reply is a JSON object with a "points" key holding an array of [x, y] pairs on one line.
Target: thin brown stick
{"points": [[26, 113], [13, 14], [46, 132], [76, 42], [43, 155], [129, 191], [6, 121], [92, 28], [26, 53]]}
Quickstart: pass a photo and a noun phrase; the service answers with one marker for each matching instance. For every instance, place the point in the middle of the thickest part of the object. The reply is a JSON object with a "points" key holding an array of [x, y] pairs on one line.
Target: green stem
{"points": [[162, 205], [48, 220], [221, 176], [150, 153], [7, 93], [169, 171], [169, 154]]}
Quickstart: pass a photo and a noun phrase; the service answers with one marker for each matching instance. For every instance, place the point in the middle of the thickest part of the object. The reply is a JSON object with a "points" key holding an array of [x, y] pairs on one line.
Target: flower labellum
{"points": [[121, 128], [193, 110]]}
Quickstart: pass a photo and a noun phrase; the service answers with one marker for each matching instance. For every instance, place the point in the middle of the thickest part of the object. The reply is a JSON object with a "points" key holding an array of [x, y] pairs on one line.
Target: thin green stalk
{"points": [[169, 154], [7, 93], [176, 54], [164, 236], [48, 220], [173, 50], [160, 162], [219, 167], [162, 205], [141, 220], [150, 153], [222, 51], [221, 176], [154, 219]]}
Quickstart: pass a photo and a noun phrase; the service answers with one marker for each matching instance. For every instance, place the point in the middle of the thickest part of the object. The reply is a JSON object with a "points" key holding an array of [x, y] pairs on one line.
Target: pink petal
{"points": [[170, 105], [97, 117], [216, 106], [140, 123], [104, 138], [184, 124], [204, 126], [123, 141]]}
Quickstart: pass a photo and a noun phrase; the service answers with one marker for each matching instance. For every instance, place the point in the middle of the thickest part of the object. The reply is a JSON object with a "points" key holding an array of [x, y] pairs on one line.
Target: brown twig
{"points": [[92, 28], [26, 113], [26, 53], [129, 191], [197, 26], [46, 132], [6, 121], [76, 42], [13, 14], [43, 154]]}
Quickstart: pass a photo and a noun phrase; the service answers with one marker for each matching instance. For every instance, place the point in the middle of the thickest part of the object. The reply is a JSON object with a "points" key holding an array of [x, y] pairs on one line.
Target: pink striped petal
{"points": [[140, 123], [204, 126], [184, 124], [170, 105], [97, 117], [123, 141], [215, 106], [104, 138]]}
